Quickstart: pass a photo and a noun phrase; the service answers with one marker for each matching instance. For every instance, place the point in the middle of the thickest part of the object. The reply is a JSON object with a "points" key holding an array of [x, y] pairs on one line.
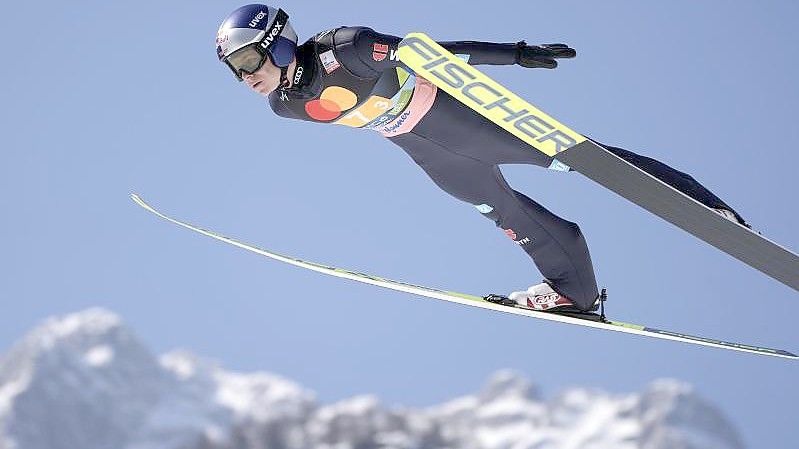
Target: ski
{"points": [[476, 301], [542, 132]]}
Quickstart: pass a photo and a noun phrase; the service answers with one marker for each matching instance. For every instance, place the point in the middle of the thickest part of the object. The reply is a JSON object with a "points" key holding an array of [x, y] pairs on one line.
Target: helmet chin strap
{"points": [[284, 79]]}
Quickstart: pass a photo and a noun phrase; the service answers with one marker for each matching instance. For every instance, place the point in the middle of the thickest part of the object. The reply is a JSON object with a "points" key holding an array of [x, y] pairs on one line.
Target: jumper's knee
{"points": [[573, 234], [490, 212]]}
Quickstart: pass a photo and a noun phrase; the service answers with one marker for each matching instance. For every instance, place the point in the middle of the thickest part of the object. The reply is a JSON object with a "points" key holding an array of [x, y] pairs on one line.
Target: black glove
{"points": [[542, 56]]}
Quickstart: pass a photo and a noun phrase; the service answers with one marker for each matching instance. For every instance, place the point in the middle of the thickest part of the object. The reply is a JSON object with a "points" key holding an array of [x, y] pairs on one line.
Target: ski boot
{"points": [[732, 216], [540, 297]]}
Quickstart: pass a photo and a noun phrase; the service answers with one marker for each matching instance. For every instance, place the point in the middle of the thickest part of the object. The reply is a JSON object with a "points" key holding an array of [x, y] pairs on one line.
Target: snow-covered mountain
{"points": [[83, 381]]}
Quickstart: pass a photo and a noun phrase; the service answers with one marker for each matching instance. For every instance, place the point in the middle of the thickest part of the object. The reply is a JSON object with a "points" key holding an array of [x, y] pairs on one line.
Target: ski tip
{"points": [[135, 197]]}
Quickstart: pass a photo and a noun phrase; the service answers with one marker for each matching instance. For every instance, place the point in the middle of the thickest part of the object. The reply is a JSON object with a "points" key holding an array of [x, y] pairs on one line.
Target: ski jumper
{"points": [[351, 76]]}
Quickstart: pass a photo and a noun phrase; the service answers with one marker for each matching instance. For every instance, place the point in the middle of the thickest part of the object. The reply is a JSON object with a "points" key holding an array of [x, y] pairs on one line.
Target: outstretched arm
{"points": [[531, 56], [377, 52], [488, 53]]}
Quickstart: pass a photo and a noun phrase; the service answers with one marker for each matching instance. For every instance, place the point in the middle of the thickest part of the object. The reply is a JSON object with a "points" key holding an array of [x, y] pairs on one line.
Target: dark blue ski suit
{"points": [[352, 76]]}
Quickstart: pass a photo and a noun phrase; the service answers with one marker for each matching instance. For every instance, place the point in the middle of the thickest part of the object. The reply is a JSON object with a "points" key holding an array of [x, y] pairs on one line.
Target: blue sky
{"points": [[101, 99]]}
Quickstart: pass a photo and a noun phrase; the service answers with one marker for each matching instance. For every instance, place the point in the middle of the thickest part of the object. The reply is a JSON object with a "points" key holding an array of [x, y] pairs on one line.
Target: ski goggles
{"points": [[273, 46]]}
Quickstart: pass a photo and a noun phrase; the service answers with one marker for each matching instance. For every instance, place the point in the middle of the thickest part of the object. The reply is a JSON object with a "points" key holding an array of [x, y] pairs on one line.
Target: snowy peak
{"points": [[255, 396], [93, 338], [79, 350], [261, 396], [91, 323], [670, 410], [508, 383], [83, 371]]}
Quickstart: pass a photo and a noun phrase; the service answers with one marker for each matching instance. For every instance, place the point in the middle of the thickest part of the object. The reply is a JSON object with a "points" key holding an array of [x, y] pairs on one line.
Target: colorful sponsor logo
{"points": [[372, 108], [379, 51], [399, 101], [403, 100], [397, 123], [403, 76], [329, 61], [544, 302], [424, 93], [331, 103], [510, 233]]}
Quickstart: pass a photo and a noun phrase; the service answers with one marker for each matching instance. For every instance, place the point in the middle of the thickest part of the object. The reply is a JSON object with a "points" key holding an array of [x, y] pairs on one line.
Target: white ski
{"points": [[472, 300]]}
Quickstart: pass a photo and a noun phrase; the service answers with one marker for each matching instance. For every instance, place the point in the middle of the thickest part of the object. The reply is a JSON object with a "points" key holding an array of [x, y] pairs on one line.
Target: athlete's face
{"points": [[266, 79]]}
